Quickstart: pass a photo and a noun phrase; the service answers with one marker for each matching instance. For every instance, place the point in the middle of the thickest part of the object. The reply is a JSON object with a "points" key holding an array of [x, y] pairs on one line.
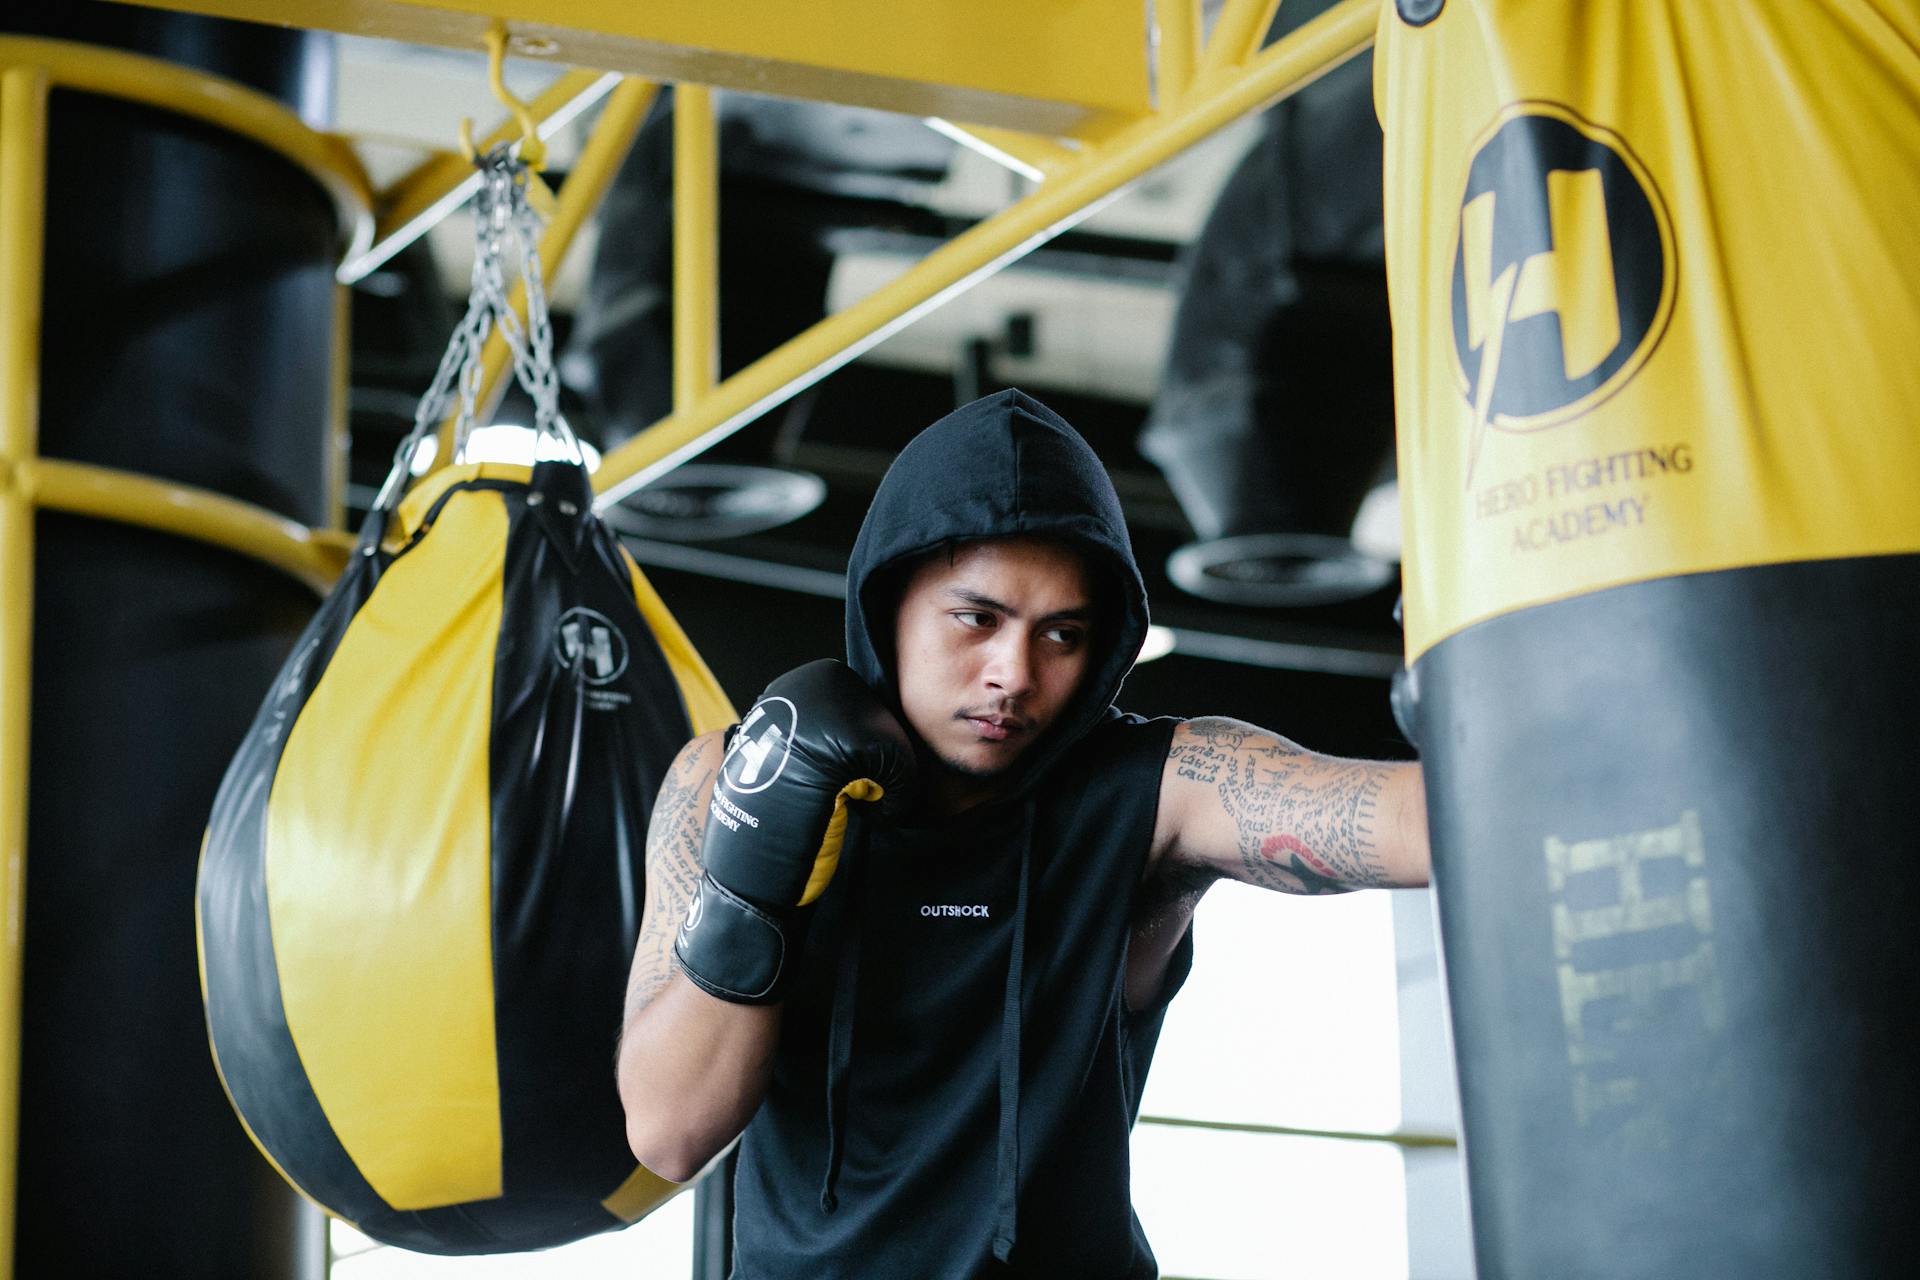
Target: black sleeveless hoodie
{"points": [[958, 1074]]}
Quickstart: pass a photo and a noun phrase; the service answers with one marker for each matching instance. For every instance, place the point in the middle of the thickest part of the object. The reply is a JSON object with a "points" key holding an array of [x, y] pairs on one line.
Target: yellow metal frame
{"points": [[312, 555], [30, 69], [413, 203], [23, 151], [1230, 81], [696, 252], [1063, 67], [315, 556], [151, 82], [1237, 32], [1200, 88], [1178, 50]]}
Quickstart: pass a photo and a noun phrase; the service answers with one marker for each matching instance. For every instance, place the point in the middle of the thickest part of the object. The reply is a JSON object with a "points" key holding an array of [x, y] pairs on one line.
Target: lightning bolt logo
{"points": [[1563, 277]]}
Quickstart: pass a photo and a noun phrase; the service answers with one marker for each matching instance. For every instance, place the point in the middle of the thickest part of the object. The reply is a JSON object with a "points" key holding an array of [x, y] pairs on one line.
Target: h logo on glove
{"points": [[760, 748], [762, 869]]}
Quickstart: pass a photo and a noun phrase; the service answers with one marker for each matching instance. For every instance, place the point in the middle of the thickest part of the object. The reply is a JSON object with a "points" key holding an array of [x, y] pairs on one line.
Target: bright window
{"points": [[1289, 1019]]}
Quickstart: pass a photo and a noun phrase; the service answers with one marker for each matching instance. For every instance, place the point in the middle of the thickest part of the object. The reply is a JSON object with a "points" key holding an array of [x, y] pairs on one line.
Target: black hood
{"points": [[1002, 466]]}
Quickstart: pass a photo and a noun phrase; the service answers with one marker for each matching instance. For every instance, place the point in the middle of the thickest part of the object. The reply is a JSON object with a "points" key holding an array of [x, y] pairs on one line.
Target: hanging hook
{"points": [[532, 150]]}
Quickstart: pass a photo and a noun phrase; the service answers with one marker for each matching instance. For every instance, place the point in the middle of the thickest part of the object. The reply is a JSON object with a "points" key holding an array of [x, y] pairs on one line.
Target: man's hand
{"points": [[1248, 804], [692, 1068], [816, 739]]}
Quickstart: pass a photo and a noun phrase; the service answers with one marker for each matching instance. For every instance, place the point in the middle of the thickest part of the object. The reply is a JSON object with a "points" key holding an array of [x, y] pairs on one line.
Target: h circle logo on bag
{"points": [[760, 746], [587, 641], [1564, 273]]}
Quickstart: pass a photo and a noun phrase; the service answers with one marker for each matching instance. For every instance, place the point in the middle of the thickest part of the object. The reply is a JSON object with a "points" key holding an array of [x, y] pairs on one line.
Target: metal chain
{"points": [[502, 219]]}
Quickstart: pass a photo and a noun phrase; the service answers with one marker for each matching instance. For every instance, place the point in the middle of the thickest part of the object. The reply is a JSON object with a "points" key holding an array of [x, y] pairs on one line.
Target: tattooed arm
{"points": [[1247, 804], [692, 1069]]}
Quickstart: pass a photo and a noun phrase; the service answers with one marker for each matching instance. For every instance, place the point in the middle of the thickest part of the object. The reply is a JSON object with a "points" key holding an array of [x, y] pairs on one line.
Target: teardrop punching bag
{"points": [[1656, 308], [422, 877]]}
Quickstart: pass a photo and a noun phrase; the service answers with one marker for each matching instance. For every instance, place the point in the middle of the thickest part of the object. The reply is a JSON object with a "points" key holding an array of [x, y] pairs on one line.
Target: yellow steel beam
{"points": [[580, 195], [1301, 58], [412, 204], [696, 246], [1179, 49], [23, 166], [314, 556], [1053, 68], [1236, 35], [218, 102]]}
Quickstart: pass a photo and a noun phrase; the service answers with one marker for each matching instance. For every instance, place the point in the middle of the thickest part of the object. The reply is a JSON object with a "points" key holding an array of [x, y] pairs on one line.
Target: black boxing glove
{"points": [[817, 738]]}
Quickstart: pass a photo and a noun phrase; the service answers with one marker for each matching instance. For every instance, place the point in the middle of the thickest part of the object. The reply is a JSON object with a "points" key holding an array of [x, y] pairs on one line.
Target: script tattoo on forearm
{"points": [[1305, 823], [673, 872]]}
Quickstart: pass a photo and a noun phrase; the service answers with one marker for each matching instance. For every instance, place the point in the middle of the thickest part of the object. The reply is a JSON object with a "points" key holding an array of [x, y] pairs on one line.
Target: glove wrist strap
{"points": [[730, 948]]}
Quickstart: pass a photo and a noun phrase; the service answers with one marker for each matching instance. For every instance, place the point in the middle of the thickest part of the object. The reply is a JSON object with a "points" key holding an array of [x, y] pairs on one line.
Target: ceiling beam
{"points": [[1067, 67]]}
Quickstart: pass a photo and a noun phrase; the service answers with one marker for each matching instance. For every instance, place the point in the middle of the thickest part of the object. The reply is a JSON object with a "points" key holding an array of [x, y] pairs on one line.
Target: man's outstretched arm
{"points": [[692, 1069], [1248, 804]]}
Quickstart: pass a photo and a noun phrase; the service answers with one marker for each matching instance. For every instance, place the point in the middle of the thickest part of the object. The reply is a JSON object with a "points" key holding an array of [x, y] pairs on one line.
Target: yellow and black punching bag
{"points": [[1656, 291], [423, 875]]}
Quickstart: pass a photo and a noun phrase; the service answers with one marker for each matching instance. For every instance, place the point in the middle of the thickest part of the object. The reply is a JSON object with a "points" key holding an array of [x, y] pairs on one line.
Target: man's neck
{"points": [[950, 793]]}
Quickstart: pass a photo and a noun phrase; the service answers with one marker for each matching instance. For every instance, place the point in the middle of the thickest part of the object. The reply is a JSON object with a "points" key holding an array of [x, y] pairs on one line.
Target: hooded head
{"points": [[1003, 467]]}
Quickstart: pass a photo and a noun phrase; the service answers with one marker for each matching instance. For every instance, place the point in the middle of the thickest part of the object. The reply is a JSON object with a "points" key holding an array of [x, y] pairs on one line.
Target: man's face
{"points": [[990, 648]]}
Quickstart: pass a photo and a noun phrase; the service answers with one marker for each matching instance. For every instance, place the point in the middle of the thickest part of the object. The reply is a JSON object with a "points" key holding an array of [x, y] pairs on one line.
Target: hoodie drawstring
{"points": [[1006, 1167], [846, 980]]}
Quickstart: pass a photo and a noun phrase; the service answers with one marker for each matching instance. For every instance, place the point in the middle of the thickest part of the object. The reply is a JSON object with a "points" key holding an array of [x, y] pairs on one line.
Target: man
{"points": [[934, 1033]]}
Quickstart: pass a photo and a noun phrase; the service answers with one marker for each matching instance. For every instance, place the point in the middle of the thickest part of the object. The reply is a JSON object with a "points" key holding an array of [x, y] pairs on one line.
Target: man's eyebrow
{"points": [[976, 600]]}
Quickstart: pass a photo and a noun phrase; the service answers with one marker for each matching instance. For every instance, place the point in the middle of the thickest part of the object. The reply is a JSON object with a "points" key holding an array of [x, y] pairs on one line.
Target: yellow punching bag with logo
{"points": [[1655, 279]]}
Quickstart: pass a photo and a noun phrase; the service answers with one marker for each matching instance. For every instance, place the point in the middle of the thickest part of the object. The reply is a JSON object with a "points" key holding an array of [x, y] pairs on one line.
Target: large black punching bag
{"points": [[1656, 303], [189, 322]]}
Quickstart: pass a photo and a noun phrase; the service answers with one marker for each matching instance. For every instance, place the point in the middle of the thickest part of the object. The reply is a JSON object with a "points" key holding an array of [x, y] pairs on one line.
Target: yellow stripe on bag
{"points": [[379, 872], [707, 706]]}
